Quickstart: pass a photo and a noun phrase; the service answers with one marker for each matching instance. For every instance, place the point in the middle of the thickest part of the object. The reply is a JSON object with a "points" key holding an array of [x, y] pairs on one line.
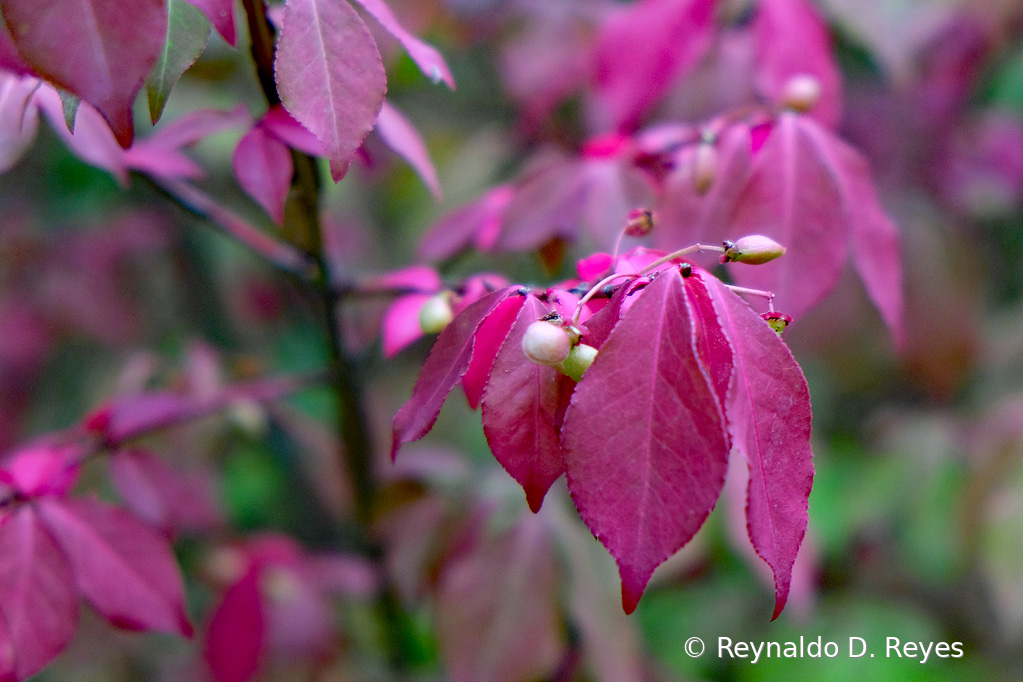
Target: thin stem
{"points": [[755, 292], [280, 254], [593, 291]]}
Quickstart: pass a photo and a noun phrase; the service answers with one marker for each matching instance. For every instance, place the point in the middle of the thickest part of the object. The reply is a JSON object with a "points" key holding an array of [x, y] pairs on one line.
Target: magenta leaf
{"points": [[123, 567], [448, 361], [92, 141], [712, 343], [401, 136], [233, 644], [10, 59], [330, 76], [100, 50], [221, 15], [188, 31], [643, 50], [645, 445], [686, 214], [44, 469], [792, 197], [400, 325], [161, 495], [769, 420], [875, 239], [279, 123], [430, 62], [497, 608], [38, 604], [793, 40], [489, 339], [262, 165], [19, 118], [477, 223], [520, 406]]}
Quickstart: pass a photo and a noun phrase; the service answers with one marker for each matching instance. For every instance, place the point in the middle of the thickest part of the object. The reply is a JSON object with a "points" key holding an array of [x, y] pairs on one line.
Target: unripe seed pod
{"points": [[778, 321], [578, 361], [705, 167], [640, 222], [801, 92], [755, 249], [435, 314], [545, 343]]}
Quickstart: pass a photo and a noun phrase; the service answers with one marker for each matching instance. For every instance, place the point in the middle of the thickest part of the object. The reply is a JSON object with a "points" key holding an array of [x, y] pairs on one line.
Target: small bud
{"points": [[754, 249], [640, 222], [578, 361], [545, 343], [435, 314], [801, 93], [705, 167], [778, 321]]}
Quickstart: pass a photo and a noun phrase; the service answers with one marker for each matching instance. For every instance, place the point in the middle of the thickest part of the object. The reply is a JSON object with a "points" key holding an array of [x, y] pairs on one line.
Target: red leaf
{"points": [[124, 568], [875, 239], [221, 15], [402, 137], [162, 496], [712, 345], [645, 445], [448, 361], [38, 605], [330, 75], [792, 39], [489, 339], [263, 167], [425, 56], [10, 59], [497, 608], [769, 419], [44, 469], [520, 405], [19, 118], [643, 50], [792, 197], [234, 639], [100, 50]]}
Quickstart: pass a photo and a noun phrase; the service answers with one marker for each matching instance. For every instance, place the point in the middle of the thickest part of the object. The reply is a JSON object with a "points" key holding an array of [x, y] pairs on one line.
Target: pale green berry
{"points": [[578, 361], [754, 249], [435, 314], [545, 343], [801, 92], [705, 167]]}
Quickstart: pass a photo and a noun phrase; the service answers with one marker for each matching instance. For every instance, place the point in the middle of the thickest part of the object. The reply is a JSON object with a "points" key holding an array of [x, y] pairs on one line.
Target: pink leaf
{"points": [[688, 215], [233, 645], [792, 197], [793, 40], [279, 123], [124, 568], [19, 118], [400, 325], [875, 239], [448, 361], [476, 223], [643, 50], [263, 167], [162, 496], [402, 137], [645, 444], [10, 59], [489, 339], [769, 419], [38, 604], [330, 75], [221, 15], [44, 469], [92, 141], [430, 62], [100, 50], [496, 608], [520, 405]]}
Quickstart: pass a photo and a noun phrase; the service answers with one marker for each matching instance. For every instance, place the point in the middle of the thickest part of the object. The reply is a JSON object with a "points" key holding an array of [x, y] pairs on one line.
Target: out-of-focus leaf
{"points": [[400, 135], [92, 141], [188, 31], [263, 167], [425, 56], [496, 608], [330, 76], [221, 15], [233, 645], [123, 567], [19, 119], [477, 223], [100, 50]]}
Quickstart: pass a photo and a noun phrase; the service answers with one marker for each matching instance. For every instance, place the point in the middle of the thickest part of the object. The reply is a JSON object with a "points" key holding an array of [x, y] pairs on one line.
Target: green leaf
{"points": [[188, 31]]}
